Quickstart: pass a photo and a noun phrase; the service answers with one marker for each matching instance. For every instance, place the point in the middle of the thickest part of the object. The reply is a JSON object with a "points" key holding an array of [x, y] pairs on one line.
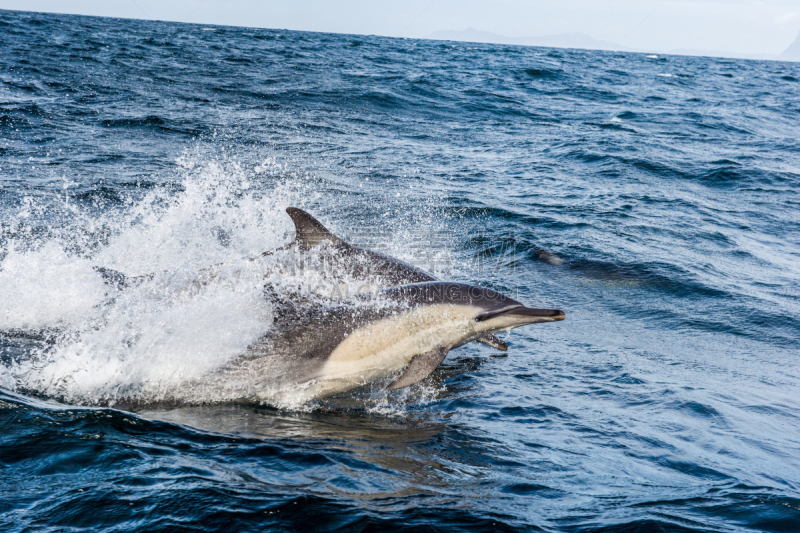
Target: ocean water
{"points": [[665, 189]]}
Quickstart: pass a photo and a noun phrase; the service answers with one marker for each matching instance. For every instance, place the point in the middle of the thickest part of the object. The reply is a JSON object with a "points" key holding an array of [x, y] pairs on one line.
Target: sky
{"points": [[747, 27]]}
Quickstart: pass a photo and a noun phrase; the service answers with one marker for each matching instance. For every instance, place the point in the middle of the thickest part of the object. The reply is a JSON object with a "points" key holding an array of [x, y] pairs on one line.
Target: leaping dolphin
{"points": [[402, 332]]}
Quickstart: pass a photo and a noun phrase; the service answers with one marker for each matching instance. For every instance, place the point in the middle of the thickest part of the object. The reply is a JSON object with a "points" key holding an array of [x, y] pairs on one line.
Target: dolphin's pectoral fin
{"points": [[309, 231], [419, 368], [494, 342]]}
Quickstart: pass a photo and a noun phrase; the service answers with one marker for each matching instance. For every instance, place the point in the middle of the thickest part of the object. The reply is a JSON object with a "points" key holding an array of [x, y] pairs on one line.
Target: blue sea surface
{"points": [[655, 199]]}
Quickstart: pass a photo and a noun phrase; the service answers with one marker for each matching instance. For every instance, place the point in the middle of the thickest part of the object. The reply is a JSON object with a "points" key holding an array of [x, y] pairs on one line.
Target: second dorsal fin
{"points": [[309, 231]]}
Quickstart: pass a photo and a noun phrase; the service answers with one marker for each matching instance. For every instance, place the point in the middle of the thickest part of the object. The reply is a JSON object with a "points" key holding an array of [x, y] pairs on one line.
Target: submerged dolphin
{"points": [[402, 333]]}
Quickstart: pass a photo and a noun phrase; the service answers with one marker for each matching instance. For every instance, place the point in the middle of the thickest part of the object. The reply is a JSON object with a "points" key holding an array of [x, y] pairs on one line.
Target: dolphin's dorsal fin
{"points": [[309, 231]]}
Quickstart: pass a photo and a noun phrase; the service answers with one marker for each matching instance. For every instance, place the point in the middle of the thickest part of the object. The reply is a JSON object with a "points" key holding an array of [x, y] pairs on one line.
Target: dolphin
{"points": [[401, 333], [548, 257]]}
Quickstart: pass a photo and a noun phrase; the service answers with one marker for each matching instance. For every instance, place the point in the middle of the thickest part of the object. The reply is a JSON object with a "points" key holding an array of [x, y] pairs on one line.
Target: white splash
{"points": [[92, 343]]}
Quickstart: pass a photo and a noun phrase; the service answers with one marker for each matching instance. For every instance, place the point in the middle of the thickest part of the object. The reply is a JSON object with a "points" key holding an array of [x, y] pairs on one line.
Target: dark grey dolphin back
{"points": [[448, 292], [358, 262]]}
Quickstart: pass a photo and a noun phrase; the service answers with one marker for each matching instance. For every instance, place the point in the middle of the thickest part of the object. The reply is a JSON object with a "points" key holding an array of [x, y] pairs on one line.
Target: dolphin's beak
{"points": [[550, 315]]}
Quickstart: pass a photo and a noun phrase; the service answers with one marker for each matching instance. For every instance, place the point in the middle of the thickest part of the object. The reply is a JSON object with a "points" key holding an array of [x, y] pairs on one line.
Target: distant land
{"points": [[563, 40], [583, 41], [793, 52]]}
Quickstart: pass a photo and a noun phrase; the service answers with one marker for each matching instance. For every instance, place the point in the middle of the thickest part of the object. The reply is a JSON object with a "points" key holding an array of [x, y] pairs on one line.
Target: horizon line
{"points": [[700, 53]]}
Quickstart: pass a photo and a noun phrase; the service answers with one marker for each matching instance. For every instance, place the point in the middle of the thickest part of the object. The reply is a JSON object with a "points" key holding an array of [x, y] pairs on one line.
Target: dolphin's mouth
{"points": [[525, 313]]}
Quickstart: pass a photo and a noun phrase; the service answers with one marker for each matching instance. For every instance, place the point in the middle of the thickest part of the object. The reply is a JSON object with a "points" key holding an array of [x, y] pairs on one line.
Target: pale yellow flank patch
{"points": [[379, 349]]}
